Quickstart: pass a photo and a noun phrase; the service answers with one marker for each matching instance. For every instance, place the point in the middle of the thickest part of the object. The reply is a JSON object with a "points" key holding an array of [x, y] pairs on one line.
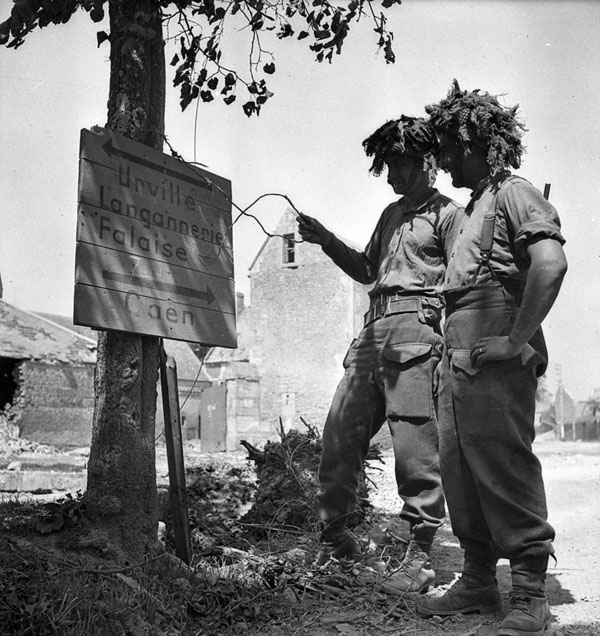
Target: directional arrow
{"points": [[149, 283], [196, 179]]}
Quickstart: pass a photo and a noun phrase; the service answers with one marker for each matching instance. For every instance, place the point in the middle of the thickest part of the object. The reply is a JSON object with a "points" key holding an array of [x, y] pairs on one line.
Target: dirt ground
{"points": [[572, 477]]}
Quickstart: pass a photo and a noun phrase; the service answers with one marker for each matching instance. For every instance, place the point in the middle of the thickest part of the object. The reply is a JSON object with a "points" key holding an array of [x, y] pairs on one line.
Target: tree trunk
{"points": [[121, 487]]}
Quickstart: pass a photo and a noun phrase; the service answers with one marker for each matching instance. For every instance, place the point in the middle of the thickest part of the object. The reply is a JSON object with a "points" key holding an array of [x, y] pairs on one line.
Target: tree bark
{"points": [[121, 486]]}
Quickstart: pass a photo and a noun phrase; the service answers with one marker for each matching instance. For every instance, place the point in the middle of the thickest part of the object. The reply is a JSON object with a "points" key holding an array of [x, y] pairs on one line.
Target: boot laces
{"points": [[414, 557], [456, 586], [519, 599]]}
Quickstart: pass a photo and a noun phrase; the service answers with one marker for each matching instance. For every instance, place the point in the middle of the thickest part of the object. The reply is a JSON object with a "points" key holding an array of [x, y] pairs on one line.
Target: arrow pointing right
{"points": [[149, 283]]}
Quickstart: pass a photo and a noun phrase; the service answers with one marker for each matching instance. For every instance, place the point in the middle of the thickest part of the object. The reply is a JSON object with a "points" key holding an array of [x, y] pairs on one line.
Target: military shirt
{"points": [[522, 215], [406, 251]]}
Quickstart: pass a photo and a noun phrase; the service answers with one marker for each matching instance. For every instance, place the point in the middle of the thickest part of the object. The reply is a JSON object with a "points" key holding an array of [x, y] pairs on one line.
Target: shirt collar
{"points": [[487, 182], [408, 206]]}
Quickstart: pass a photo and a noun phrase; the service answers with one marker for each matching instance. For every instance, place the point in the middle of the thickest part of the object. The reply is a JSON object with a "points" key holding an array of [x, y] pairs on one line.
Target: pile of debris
{"points": [[11, 443], [286, 473]]}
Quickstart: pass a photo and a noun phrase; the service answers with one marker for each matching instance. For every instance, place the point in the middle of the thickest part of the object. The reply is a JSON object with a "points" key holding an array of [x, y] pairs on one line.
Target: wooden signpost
{"points": [[154, 253], [174, 442], [154, 256]]}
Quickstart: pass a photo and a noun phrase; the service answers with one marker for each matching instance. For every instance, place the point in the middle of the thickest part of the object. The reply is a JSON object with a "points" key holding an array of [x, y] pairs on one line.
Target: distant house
{"points": [[570, 419]]}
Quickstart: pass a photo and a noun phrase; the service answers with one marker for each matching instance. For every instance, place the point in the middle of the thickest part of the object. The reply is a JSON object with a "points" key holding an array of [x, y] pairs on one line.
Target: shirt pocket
{"points": [[408, 380]]}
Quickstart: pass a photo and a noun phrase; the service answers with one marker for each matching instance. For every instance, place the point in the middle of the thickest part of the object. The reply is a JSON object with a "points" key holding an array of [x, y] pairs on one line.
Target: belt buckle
{"points": [[383, 304]]}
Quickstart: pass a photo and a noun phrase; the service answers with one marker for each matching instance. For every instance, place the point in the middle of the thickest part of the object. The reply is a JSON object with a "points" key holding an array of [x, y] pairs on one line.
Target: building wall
{"points": [[301, 320], [243, 414], [190, 402], [57, 401]]}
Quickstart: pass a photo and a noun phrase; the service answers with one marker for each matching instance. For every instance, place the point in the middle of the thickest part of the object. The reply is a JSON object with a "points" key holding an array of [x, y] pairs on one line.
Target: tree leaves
{"points": [[325, 23], [28, 15], [102, 36], [200, 26]]}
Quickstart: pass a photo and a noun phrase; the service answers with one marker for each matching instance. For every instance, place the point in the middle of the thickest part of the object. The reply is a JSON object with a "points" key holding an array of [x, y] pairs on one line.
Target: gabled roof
{"points": [[30, 336], [289, 213], [67, 321], [27, 336]]}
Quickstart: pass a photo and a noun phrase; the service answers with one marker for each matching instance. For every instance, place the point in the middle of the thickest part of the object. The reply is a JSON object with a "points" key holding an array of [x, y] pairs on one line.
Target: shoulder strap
{"points": [[486, 243]]}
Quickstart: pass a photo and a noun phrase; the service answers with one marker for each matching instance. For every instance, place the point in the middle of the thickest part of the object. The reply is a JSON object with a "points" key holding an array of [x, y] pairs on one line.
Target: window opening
{"points": [[289, 251]]}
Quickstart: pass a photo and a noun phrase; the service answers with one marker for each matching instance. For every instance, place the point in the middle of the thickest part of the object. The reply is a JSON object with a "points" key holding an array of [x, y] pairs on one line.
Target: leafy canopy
{"points": [[198, 28]]}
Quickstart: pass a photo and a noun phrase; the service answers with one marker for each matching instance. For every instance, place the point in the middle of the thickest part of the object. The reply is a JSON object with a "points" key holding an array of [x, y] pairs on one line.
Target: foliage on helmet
{"points": [[408, 135], [474, 117]]}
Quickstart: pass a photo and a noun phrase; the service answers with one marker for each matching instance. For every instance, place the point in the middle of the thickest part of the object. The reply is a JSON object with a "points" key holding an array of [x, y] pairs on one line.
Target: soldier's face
{"points": [[452, 159], [405, 173], [465, 169]]}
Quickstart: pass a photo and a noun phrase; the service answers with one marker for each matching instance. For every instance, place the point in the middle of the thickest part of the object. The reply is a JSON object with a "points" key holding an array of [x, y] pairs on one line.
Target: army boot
{"points": [[476, 590], [529, 613], [415, 573], [337, 545]]}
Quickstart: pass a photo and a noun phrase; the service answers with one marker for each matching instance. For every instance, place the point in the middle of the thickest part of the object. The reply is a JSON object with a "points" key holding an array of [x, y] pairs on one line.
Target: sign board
{"points": [[154, 253]]}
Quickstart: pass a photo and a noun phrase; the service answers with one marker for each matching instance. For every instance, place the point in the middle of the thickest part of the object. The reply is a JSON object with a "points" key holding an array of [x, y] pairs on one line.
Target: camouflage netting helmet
{"points": [[479, 118], [408, 135]]}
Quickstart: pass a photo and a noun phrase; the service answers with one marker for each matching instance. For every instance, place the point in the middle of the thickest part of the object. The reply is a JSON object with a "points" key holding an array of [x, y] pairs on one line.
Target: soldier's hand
{"points": [[312, 231], [493, 348]]}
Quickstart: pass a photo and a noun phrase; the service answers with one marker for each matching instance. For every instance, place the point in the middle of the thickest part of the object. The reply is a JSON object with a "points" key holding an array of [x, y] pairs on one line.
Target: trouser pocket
{"points": [[408, 380]]}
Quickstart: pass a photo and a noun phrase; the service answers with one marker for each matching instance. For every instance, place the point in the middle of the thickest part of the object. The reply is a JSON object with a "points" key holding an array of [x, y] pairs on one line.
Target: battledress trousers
{"points": [[492, 479], [388, 376]]}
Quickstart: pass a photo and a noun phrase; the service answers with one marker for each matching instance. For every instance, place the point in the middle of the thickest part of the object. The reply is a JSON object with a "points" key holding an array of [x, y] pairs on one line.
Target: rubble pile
{"points": [[286, 473], [11, 443]]}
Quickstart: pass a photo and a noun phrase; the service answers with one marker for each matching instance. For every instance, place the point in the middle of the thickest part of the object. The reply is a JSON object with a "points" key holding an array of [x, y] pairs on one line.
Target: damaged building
{"points": [[46, 379]]}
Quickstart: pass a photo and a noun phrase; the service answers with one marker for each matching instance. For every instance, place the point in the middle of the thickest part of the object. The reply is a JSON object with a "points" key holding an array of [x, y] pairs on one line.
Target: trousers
{"points": [[492, 478], [388, 376]]}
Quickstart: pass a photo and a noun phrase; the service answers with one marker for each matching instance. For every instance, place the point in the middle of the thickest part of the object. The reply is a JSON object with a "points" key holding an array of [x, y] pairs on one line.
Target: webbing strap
{"points": [[487, 234], [486, 243]]}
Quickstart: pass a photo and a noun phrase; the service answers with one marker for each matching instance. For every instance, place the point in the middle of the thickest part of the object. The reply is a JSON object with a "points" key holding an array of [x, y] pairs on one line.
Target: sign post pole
{"points": [[177, 485]]}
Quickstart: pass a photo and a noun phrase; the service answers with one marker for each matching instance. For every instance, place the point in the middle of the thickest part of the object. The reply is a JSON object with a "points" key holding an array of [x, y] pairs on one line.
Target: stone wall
{"points": [[302, 317], [57, 402], [243, 414]]}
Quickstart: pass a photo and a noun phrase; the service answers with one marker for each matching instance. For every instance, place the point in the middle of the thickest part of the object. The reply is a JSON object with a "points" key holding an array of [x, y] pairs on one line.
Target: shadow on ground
{"points": [[447, 558]]}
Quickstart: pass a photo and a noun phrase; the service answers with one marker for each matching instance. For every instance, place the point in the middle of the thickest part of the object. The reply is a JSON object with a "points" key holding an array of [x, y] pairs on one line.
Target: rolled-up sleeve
{"points": [[530, 215]]}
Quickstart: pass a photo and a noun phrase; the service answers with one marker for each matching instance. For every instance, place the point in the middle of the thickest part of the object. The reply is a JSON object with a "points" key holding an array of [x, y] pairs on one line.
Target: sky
{"points": [[306, 144]]}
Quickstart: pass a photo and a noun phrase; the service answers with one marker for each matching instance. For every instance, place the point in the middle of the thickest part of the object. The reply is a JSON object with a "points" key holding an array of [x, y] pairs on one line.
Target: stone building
{"points": [[303, 314], [46, 378]]}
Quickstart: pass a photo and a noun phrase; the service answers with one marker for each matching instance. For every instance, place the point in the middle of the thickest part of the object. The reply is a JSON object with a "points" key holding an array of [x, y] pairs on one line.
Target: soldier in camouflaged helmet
{"points": [[390, 368], [504, 271]]}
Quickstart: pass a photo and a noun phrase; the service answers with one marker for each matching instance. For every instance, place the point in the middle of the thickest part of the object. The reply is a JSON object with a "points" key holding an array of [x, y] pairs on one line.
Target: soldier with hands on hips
{"points": [[505, 268]]}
